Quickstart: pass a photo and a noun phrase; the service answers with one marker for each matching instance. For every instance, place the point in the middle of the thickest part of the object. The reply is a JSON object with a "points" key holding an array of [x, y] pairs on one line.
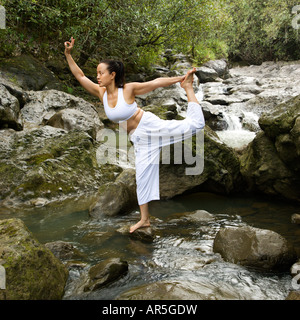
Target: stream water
{"points": [[181, 250]]}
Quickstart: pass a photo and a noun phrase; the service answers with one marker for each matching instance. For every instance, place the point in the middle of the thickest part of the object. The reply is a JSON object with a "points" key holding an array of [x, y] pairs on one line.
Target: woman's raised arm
{"points": [[86, 83], [139, 88]]}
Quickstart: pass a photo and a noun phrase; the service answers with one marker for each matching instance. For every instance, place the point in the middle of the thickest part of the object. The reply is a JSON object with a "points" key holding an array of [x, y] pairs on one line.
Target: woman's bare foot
{"points": [[188, 80], [140, 224]]}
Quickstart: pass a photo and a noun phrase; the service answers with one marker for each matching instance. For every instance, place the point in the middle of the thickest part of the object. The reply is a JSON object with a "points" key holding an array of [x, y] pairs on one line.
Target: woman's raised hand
{"points": [[69, 45]]}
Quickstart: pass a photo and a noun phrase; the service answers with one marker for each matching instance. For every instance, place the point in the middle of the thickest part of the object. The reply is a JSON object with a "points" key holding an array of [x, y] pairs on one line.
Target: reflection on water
{"points": [[182, 249]]}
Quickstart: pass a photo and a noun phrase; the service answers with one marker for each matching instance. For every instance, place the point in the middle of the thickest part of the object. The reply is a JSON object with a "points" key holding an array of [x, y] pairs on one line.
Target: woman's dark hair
{"points": [[118, 68]]}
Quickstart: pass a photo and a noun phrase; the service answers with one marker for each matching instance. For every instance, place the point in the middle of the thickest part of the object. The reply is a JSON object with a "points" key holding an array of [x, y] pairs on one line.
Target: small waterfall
{"points": [[235, 135], [199, 92], [233, 121]]}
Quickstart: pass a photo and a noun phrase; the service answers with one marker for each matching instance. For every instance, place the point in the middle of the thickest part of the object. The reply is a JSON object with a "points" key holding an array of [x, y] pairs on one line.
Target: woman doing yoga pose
{"points": [[147, 132]]}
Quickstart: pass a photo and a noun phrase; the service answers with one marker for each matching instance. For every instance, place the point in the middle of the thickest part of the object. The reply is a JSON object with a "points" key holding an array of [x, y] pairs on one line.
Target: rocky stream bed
{"points": [[66, 213]]}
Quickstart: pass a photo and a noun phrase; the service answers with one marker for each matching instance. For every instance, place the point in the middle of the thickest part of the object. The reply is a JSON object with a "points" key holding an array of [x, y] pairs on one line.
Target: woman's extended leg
{"points": [[155, 133]]}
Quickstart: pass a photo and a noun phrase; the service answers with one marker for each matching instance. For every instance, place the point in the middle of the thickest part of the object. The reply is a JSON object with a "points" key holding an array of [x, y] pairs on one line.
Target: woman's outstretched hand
{"points": [[69, 45]]}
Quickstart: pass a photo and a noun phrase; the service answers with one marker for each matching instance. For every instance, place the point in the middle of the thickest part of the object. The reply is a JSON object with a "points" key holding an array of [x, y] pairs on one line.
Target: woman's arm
{"points": [[139, 88], [87, 84]]}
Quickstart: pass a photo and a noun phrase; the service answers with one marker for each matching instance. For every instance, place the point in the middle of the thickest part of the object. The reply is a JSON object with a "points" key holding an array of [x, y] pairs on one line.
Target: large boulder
{"points": [[270, 164], [221, 172], [72, 119], [123, 189], [61, 110], [14, 90], [32, 271], [206, 74], [283, 127], [254, 247], [220, 66], [47, 163], [28, 73]]}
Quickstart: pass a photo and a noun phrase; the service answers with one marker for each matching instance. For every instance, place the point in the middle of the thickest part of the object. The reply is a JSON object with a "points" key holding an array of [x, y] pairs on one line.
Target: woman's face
{"points": [[104, 78]]}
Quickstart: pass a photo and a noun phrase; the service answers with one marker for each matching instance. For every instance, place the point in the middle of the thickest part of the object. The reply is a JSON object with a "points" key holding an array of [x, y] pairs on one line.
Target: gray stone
{"points": [[105, 273], [9, 110], [296, 218], [253, 247]]}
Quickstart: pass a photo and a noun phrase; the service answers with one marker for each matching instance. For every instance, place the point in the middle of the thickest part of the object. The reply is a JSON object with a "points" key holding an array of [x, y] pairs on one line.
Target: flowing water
{"points": [[181, 250], [235, 136]]}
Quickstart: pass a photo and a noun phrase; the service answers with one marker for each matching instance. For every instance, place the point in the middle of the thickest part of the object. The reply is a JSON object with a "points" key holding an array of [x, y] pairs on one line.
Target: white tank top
{"points": [[122, 111]]}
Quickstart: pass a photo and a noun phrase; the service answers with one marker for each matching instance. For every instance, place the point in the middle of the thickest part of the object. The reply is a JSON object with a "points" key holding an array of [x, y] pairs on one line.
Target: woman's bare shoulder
{"points": [[101, 93]]}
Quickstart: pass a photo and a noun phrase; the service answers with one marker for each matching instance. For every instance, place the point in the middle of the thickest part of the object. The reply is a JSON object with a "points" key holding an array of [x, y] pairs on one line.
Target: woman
{"points": [[147, 132]]}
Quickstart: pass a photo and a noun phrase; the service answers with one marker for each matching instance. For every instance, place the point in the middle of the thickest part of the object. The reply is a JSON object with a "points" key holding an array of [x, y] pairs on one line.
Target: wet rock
{"points": [[32, 271], [63, 250], [195, 216], [253, 247], [295, 273], [113, 199], [295, 269], [105, 273], [142, 234], [296, 218], [117, 197], [201, 215], [214, 118], [179, 290]]}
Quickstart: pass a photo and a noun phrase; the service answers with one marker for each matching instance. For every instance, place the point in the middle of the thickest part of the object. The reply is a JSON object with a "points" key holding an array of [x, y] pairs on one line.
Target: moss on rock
{"points": [[49, 163], [32, 271]]}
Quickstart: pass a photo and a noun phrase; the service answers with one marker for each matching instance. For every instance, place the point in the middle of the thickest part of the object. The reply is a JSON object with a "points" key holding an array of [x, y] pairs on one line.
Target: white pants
{"points": [[153, 133]]}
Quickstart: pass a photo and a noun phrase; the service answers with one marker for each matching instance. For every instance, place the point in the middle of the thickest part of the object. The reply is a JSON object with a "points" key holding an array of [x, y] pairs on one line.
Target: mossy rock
{"points": [[32, 271], [48, 163], [271, 162], [282, 119], [28, 73]]}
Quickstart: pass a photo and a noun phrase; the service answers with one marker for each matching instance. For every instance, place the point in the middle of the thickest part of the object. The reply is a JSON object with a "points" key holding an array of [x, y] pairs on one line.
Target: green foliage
{"points": [[138, 31], [262, 30]]}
